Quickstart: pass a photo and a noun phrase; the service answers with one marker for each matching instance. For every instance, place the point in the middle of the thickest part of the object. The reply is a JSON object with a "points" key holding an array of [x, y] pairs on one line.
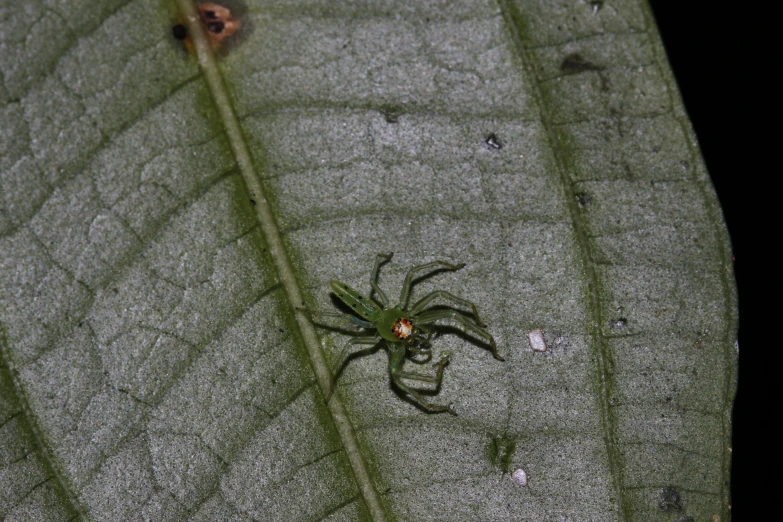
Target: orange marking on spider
{"points": [[402, 328]]}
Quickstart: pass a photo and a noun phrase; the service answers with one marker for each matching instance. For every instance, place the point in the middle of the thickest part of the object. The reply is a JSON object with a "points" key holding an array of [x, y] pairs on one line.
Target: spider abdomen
{"points": [[366, 308]]}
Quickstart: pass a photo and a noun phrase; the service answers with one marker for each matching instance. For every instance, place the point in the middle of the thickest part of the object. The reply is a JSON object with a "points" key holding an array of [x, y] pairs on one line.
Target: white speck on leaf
{"points": [[519, 477], [536, 340]]}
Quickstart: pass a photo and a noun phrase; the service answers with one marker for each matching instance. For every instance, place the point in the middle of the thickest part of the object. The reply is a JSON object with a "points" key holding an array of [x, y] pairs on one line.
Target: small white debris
{"points": [[536, 340], [519, 477]]}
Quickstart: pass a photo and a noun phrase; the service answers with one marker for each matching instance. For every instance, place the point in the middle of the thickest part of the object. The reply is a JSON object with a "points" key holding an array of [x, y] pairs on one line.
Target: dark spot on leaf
{"points": [[391, 113], [179, 31], [253, 202], [209, 15], [584, 199], [669, 499], [493, 142], [575, 64]]}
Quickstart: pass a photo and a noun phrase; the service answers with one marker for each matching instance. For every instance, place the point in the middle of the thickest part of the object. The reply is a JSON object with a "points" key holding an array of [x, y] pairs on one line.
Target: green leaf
{"points": [[163, 215]]}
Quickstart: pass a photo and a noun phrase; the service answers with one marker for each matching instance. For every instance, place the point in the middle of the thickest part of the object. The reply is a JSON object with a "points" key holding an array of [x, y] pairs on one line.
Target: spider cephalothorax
{"points": [[402, 329]]}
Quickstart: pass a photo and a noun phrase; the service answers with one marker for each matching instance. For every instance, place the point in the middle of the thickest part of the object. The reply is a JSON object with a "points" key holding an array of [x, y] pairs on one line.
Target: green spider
{"points": [[405, 330]]}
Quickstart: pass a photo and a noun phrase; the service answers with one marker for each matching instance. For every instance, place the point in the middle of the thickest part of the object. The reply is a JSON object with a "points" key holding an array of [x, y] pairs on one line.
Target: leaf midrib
{"points": [[278, 253]]}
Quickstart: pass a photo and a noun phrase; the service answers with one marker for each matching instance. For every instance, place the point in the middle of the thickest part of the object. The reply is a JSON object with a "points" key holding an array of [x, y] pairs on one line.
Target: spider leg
{"points": [[344, 355], [462, 323], [427, 299], [406, 286], [421, 344], [420, 350], [396, 358], [345, 320], [380, 259]]}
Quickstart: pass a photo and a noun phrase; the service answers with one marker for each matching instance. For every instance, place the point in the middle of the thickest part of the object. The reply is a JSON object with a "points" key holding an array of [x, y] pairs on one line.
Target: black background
{"points": [[709, 45]]}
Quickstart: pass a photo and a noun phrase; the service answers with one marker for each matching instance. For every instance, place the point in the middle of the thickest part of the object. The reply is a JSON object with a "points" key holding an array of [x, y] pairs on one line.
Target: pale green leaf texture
{"points": [[153, 249]]}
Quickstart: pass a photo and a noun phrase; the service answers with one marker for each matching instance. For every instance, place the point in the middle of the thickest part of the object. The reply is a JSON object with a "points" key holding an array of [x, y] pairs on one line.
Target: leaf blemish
{"points": [[519, 477], [574, 63], [536, 340], [584, 199], [500, 452], [493, 142], [669, 499], [219, 22]]}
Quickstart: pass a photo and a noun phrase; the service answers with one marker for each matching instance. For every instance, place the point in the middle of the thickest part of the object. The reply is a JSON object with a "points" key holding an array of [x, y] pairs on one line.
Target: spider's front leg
{"points": [[396, 357], [406, 285], [380, 259]]}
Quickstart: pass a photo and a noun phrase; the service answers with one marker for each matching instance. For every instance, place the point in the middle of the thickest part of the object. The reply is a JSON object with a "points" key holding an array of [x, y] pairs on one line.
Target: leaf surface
{"points": [[163, 215]]}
